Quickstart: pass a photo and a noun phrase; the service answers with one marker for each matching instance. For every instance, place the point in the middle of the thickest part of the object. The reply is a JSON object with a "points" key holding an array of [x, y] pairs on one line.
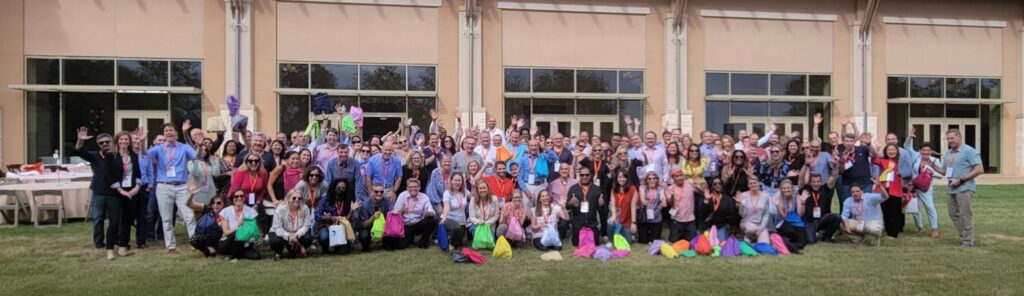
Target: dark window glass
{"points": [[42, 124], [788, 109], [553, 106], [789, 85], [749, 108], [293, 113], [187, 74], [517, 80], [749, 84], [820, 85], [422, 78], [897, 87], [142, 73], [88, 72], [631, 82], [717, 118], [94, 111], [962, 88], [991, 132], [716, 84], [927, 110], [519, 107], [334, 76], [552, 80], [142, 102], [383, 104], [187, 107], [961, 111], [597, 107], [990, 89], [42, 71], [347, 101], [898, 121], [926, 87], [633, 108], [382, 77], [419, 111], [826, 115], [294, 75], [595, 81]]}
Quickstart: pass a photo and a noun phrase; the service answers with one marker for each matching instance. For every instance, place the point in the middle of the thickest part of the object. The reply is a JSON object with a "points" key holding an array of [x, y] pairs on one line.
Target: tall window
{"points": [[556, 80]]}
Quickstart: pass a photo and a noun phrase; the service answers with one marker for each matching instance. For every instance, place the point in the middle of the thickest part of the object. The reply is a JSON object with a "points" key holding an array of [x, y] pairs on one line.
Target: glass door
{"points": [[380, 124], [150, 121], [933, 130], [759, 125], [602, 126]]}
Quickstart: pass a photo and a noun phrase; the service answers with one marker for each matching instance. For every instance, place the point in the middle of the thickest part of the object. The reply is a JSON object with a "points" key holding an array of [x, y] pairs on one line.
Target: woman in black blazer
{"points": [[124, 175]]}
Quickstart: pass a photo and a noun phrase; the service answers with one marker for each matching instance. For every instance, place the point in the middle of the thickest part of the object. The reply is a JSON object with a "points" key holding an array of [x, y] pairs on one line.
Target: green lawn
{"points": [[62, 261]]}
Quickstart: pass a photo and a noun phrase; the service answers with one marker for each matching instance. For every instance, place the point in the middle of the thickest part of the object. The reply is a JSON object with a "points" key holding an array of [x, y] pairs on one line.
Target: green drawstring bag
{"points": [[688, 254], [377, 232], [482, 238], [348, 125], [717, 252], [313, 129], [746, 249], [247, 231], [620, 242]]}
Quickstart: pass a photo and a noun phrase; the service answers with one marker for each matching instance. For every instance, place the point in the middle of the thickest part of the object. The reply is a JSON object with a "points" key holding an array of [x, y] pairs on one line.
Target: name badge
{"points": [[585, 207], [171, 173], [126, 182], [558, 165], [650, 214], [888, 177], [672, 212], [817, 212], [949, 172], [501, 203], [597, 182], [860, 226], [848, 165], [531, 178], [252, 198]]}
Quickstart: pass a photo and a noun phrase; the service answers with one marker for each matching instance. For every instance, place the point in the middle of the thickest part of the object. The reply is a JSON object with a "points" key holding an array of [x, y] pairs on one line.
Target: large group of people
{"points": [[287, 191]]}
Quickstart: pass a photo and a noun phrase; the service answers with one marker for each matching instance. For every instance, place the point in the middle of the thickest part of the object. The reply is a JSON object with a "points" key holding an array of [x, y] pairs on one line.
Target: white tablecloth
{"points": [[76, 195], [48, 176]]}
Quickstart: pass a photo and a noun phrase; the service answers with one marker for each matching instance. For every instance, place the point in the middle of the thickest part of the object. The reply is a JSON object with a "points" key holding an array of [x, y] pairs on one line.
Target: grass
{"points": [[62, 261]]}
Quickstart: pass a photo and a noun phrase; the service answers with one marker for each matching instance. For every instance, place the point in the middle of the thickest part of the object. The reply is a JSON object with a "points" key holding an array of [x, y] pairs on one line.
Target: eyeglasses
{"points": [[296, 198], [652, 178], [775, 151], [314, 175], [694, 150], [365, 150], [252, 160]]}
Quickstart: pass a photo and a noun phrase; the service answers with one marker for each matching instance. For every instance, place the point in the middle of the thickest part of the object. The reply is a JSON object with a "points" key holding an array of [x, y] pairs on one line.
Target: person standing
{"points": [[385, 169], [963, 164], [106, 205], [533, 171], [171, 161]]}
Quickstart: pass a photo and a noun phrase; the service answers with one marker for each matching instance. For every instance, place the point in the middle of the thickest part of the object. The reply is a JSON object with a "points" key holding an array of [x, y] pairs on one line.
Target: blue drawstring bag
{"points": [[442, 237], [765, 249], [322, 104], [207, 223]]}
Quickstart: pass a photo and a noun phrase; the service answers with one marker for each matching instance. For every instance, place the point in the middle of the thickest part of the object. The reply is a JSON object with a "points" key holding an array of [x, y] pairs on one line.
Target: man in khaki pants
{"points": [[963, 163]]}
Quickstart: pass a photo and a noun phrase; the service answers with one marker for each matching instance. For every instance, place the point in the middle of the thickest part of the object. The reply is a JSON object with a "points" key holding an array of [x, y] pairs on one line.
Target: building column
{"points": [[471, 69], [1019, 156], [238, 60], [677, 111], [862, 109]]}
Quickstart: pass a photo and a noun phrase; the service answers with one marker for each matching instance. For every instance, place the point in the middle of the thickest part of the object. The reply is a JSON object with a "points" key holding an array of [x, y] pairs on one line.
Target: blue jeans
{"points": [[928, 199], [155, 229], [624, 231], [106, 207]]}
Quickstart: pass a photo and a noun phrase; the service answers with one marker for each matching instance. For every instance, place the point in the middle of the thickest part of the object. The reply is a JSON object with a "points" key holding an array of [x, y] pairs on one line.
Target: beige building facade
{"points": [[568, 66]]}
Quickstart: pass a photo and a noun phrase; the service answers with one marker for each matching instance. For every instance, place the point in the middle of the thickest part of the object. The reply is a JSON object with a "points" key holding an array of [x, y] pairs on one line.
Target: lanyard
{"points": [[533, 165], [952, 156], [650, 197], [337, 208], [457, 200], [597, 165], [253, 180], [861, 213], [238, 217], [312, 194], [294, 214], [816, 196], [585, 189], [126, 164], [170, 153], [384, 164], [754, 201], [444, 179], [717, 201], [206, 171], [483, 211]]}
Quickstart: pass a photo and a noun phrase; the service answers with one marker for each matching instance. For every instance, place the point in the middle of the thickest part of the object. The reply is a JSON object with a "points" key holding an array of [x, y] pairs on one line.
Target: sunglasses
{"points": [[694, 150], [740, 157], [218, 203], [314, 175], [653, 178], [103, 142], [365, 150], [775, 151], [356, 142], [239, 196], [584, 175], [295, 198], [378, 191], [252, 160]]}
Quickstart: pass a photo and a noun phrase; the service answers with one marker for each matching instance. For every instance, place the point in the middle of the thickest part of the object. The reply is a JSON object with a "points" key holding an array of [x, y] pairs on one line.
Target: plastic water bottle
{"points": [[56, 157]]}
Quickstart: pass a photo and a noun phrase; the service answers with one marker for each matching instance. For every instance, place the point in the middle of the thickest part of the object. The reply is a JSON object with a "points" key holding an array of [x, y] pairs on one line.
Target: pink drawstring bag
{"points": [[779, 245], [586, 237], [585, 251], [713, 236], [393, 226], [357, 115], [515, 230], [620, 253]]}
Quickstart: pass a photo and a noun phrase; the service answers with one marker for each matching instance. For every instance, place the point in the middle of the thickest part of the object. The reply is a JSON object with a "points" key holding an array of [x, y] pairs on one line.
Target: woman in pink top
{"points": [[251, 180], [291, 173]]}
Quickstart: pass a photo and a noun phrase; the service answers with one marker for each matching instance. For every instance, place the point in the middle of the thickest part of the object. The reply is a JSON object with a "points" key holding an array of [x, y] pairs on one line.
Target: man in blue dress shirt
{"points": [[171, 160]]}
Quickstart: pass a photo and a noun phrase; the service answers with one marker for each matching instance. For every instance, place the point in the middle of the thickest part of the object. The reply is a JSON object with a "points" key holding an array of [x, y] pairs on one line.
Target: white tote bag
{"points": [[912, 207], [337, 235]]}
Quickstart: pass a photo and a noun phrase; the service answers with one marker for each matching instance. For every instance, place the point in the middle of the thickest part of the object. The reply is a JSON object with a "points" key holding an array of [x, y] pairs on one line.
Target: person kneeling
{"points": [[233, 218], [417, 216], [291, 227], [862, 214]]}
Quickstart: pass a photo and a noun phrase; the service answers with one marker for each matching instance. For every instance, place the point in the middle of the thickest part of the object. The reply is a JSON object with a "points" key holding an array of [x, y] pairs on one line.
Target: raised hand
{"points": [[83, 134], [458, 116], [913, 133], [844, 120], [533, 131], [408, 122], [818, 118], [185, 126], [628, 119], [339, 108], [433, 115], [521, 122]]}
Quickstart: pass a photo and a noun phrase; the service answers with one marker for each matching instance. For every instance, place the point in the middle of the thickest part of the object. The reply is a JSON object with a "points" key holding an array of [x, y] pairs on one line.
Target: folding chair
{"points": [[8, 196], [38, 206]]}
